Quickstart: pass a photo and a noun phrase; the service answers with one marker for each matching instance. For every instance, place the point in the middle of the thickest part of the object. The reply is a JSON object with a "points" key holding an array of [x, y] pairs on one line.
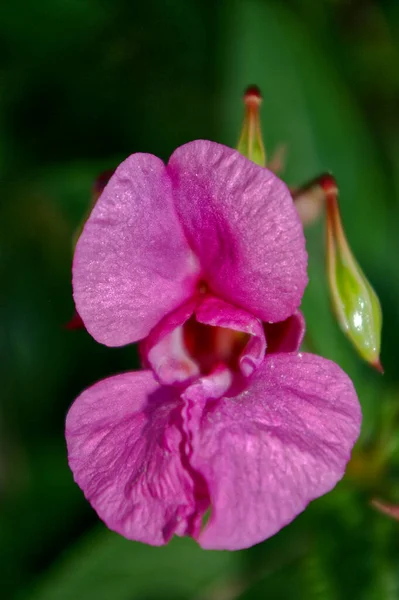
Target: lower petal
{"points": [[125, 446], [270, 450]]}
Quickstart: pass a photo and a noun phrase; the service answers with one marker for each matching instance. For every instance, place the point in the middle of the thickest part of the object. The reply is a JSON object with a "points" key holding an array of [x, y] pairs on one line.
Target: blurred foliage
{"points": [[84, 84]]}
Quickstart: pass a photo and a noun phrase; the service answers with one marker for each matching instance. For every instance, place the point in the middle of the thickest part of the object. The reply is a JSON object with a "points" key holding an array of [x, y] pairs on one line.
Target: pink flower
{"points": [[204, 261]]}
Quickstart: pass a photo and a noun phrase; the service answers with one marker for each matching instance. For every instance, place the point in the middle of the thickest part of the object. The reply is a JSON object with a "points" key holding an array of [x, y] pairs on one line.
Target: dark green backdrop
{"points": [[84, 83]]}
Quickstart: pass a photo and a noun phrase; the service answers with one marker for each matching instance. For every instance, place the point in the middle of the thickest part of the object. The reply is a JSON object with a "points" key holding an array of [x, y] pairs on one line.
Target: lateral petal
{"points": [[241, 222], [132, 263]]}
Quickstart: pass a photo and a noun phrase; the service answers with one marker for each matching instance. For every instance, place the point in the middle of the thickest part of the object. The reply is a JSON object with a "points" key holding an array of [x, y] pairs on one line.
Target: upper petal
{"points": [[266, 453], [132, 263], [241, 222], [124, 443]]}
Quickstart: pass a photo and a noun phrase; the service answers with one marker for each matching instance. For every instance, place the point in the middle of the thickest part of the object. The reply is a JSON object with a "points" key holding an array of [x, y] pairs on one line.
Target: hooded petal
{"points": [[285, 336], [177, 351], [132, 264], [241, 222], [216, 312], [124, 443], [266, 453]]}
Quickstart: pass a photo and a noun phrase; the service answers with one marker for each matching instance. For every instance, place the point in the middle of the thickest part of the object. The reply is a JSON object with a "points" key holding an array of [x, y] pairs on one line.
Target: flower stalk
{"points": [[391, 510]]}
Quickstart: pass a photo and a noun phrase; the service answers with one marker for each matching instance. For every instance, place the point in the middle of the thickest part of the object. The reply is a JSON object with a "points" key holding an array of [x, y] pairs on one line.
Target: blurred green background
{"points": [[83, 84]]}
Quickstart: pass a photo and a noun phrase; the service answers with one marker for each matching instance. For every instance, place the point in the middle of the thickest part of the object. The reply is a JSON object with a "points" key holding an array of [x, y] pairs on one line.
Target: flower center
{"points": [[210, 345]]}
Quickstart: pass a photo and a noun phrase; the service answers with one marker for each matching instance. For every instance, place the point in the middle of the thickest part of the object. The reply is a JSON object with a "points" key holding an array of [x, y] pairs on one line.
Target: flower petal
{"points": [[266, 453], [241, 222], [132, 264], [285, 336], [124, 443]]}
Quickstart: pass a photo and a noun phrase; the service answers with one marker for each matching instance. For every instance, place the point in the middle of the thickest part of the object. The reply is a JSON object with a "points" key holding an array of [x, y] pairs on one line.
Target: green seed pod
{"points": [[250, 143], [355, 303]]}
